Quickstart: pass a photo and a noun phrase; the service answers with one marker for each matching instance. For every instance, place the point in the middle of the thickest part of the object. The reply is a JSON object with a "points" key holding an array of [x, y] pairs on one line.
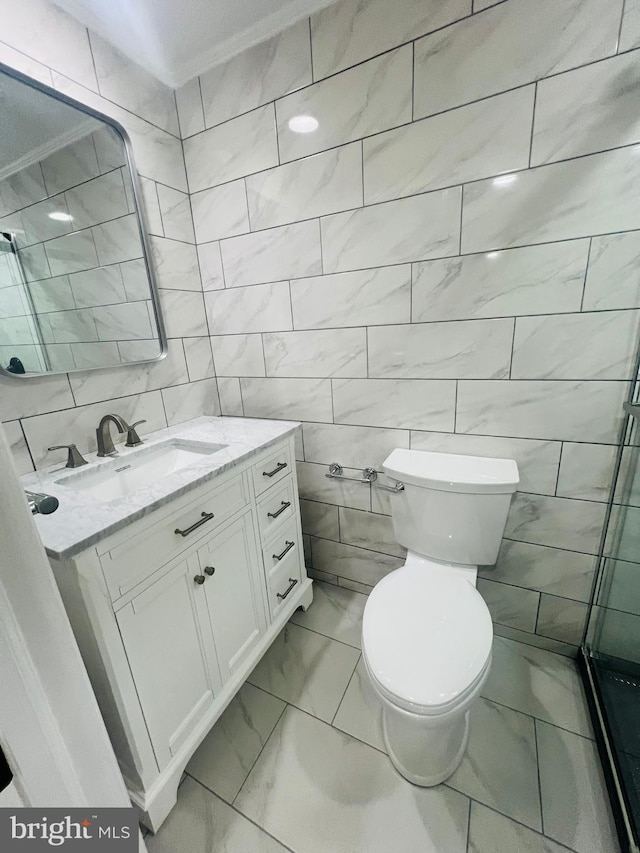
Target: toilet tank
{"points": [[453, 508]]}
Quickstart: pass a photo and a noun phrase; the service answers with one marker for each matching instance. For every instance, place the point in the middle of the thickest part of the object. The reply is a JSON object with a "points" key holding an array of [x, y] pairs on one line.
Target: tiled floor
{"points": [[296, 763]]}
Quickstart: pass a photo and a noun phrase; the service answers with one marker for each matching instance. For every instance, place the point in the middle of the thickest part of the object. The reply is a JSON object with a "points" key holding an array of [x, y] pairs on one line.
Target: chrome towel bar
{"points": [[369, 476]]}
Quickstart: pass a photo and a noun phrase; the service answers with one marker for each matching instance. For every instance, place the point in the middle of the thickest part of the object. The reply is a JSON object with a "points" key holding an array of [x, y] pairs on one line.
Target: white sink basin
{"points": [[126, 474]]}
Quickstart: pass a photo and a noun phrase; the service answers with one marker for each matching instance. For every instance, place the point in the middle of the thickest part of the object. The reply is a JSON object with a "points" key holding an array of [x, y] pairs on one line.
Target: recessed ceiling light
{"points": [[505, 180], [303, 124], [493, 254], [59, 216]]}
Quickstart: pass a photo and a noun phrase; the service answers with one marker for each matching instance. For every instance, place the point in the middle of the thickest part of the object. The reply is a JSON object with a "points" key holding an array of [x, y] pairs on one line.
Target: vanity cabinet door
{"points": [[166, 635], [234, 593]]}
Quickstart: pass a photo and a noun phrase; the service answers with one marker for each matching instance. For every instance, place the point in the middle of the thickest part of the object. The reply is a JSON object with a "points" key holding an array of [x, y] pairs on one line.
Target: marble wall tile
{"points": [[557, 522], [510, 605], [561, 201], [543, 39], [100, 286], [136, 282], [238, 355], [291, 251], [314, 186], [134, 88], [320, 519], [183, 313], [372, 97], [620, 585], [395, 403], [184, 402], [175, 264], [21, 189], [479, 5], [500, 284], [210, 261], [80, 423], [290, 399], [37, 224], [230, 397], [98, 354], [258, 75], [109, 149], [537, 460], [630, 30], [190, 112], [138, 350], [129, 321], [52, 294], [175, 211], [553, 347], [199, 358], [151, 206], [239, 147], [25, 64], [374, 297], [369, 530], [569, 411], [74, 164], [486, 138], [562, 619], [598, 99], [613, 275], [586, 471], [13, 302], [326, 352], [352, 563], [471, 349], [97, 200], [20, 451], [545, 569], [117, 241], [220, 212], [80, 325], [262, 308], [411, 229], [352, 446], [71, 253], [346, 33]]}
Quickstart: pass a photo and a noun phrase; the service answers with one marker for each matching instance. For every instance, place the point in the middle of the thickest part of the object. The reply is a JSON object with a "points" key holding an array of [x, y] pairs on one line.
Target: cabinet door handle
{"points": [[286, 550], [200, 579], [292, 583], [283, 505], [209, 570], [278, 467], [206, 516]]}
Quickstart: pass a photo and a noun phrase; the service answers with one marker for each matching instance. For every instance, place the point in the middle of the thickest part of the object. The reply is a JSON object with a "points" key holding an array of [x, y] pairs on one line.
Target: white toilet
{"points": [[426, 632]]}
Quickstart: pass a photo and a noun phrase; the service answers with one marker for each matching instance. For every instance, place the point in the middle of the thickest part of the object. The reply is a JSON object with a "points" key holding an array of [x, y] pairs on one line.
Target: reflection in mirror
{"points": [[75, 287]]}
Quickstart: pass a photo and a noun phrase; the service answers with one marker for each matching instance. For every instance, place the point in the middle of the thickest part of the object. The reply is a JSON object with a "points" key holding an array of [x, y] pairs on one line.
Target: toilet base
{"points": [[432, 779]]}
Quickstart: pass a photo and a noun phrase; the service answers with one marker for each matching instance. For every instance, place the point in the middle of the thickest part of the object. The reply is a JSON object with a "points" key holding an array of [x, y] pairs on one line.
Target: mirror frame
{"points": [[141, 219]]}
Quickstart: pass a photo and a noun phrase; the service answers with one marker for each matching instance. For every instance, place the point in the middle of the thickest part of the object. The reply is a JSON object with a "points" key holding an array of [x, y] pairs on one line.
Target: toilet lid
{"points": [[426, 638]]}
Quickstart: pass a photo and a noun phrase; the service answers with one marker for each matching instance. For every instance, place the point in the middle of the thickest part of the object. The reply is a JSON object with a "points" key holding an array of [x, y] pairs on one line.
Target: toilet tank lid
{"points": [[450, 472]]}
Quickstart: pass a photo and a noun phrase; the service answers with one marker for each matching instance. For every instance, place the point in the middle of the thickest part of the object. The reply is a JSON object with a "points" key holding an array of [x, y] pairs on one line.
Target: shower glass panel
{"points": [[611, 650]]}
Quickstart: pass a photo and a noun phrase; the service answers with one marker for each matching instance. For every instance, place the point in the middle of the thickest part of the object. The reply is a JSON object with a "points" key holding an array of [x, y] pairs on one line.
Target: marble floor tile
{"points": [[335, 612], [575, 806], [490, 832], [225, 757], [316, 790], [202, 823], [539, 683], [360, 712], [499, 767], [307, 670]]}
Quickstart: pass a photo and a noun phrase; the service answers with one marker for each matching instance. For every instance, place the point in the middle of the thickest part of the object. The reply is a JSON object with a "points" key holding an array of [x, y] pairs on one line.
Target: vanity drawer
{"points": [[283, 581], [276, 507], [130, 562], [282, 547], [273, 468]]}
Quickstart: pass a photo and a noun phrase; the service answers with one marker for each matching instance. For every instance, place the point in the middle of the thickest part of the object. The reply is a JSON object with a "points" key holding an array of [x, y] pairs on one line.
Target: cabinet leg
{"points": [[307, 598]]}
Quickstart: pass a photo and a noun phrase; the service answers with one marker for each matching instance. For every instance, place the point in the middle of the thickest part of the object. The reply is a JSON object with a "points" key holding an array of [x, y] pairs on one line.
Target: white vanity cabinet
{"points": [[174, 610]]}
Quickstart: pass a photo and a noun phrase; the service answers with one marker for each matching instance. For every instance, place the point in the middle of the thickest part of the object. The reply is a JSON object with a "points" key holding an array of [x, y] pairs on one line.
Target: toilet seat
{"points": [[426, 639]]}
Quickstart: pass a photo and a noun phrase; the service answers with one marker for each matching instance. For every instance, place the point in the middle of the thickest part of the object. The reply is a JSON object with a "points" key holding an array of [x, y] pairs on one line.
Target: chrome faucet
{"points": [[103, 434]]}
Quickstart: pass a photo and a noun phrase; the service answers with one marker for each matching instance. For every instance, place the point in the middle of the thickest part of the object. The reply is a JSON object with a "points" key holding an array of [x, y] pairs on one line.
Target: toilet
{"points": [[426, 631]]}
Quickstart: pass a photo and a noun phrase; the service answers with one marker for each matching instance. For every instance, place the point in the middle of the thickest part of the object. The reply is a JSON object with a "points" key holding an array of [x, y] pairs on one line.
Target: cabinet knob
{"points": [[209, 570], [200, 579]]}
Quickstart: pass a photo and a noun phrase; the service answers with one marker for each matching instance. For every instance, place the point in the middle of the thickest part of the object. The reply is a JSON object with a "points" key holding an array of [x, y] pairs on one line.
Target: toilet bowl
{"points": [[427, 632]]}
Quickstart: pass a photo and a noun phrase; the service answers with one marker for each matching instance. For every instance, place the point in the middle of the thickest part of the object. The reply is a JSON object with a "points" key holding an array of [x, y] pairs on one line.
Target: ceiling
{"points": [[178, 39]]}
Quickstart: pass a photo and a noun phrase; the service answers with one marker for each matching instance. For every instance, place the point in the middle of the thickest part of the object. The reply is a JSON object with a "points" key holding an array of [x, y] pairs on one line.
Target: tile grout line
{"points": [[267, 739], [344, 692], [535, 739]]}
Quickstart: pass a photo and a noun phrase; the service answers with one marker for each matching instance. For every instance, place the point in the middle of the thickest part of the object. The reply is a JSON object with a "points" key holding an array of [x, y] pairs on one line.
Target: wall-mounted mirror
{"points": [[76, 286]]}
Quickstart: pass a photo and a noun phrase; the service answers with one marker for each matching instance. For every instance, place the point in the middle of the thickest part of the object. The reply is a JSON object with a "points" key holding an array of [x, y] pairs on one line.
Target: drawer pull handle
{"points": [[278, 467], [286, 550], [283, 505], [209, 570], [292, 583], [206, 516], [200, 579]]}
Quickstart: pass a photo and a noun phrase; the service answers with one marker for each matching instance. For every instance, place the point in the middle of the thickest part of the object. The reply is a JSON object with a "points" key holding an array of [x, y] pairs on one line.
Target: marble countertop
{"points": [[80, 521]]}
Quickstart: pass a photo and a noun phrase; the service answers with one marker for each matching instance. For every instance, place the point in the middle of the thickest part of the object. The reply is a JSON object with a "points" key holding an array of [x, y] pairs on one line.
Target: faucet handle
{"points": [[133, 439], [74, 459]]}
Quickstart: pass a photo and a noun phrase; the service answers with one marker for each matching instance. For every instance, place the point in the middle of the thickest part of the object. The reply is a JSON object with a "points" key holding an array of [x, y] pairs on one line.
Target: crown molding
{"points": [[49, 147]]}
